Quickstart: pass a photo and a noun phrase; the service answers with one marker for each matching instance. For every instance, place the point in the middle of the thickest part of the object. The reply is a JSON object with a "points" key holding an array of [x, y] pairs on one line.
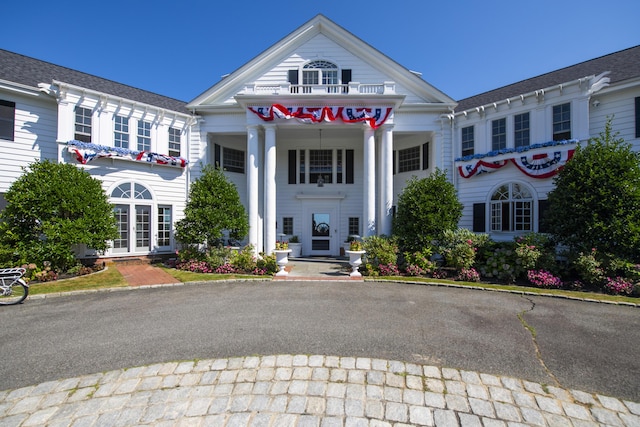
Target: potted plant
{"points": [[355, 253], [282, 252], [295, 246], [346, 246]]}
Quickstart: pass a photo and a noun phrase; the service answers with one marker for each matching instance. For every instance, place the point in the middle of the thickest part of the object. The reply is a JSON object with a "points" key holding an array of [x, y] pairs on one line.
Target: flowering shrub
{"points": [[619, 285], [439, 274], [414, 270], [419, 263], [266, 264], [259, 271], [225, 269], [244, 261], [528, 255], [501, 264], [194, 266], [468, 275], [458, 247], [543, 279], [380, 251], [589, 268], [388, 270]]}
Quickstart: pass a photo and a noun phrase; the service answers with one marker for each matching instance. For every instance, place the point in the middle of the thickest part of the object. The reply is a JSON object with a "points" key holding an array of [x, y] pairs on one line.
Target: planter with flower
{"points": [[355, 253], [282, 252], [295, 246]]}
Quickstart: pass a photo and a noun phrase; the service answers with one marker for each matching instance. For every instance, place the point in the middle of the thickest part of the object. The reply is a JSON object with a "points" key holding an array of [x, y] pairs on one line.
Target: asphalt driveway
{"points": [[587, 346]]}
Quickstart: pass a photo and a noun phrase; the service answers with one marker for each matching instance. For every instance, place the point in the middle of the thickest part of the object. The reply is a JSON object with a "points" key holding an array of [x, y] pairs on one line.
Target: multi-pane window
{"points": [[409, 159], [121, 132], [164, 225], [638, 117], [499, 134], [232, 160], [512, 208], [82, 124], [144, 136], [321, 166], [467, 141], [354, 226], [320, 71], [7, 119], [521, 130], [287, 226], [174, 142], [562, 122]]}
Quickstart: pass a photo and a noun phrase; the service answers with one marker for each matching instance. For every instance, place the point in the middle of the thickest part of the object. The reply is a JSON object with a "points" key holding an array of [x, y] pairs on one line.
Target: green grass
{"points": [[187, 276], [516, 288], [109, 278]]}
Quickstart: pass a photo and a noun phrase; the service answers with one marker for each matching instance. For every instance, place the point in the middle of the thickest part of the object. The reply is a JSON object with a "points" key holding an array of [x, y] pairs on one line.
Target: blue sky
{"points": [[180, 48]]}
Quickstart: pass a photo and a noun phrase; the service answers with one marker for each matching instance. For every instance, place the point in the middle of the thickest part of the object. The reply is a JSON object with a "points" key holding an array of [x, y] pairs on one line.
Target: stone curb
{"points": [[305, 390]]}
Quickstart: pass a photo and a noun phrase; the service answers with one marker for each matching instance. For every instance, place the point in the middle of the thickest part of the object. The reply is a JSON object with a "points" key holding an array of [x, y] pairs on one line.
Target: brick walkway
{"points": [[145, 274]]}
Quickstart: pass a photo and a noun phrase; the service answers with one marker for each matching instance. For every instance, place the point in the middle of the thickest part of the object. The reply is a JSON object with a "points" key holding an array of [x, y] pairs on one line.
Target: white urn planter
{"points": [[282, 260], [355, 260], [296, 250]]}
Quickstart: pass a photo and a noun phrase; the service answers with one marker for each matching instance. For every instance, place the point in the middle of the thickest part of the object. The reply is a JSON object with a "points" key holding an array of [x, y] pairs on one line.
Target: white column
{"points": [[369, 184], [386, 178], [270, 189], [252, 185]]}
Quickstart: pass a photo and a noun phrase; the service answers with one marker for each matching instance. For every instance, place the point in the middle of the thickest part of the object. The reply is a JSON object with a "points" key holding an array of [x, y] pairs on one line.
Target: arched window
{"points": [[512, 208], [129, 189]]}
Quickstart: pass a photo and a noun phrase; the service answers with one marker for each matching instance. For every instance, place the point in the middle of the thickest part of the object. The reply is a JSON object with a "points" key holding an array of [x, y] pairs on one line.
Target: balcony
{"points": [[352, 88]]}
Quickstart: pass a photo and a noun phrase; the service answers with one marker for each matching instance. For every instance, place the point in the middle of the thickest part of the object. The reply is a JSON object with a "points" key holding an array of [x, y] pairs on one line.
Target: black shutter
{"points": [[479, 217], [543, 207], [638, 117], [349, 166], [292, 166], [394, 162], [216, 156], [425, 156], [346, 79], [293, 77]]}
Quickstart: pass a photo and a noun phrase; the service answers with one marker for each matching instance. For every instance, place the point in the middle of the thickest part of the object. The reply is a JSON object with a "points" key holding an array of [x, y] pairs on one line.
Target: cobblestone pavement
{"points": [[302, 390]]}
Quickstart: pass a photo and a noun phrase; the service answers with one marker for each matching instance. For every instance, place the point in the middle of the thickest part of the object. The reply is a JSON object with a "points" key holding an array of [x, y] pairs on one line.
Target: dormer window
{"points": [[322, 74]]}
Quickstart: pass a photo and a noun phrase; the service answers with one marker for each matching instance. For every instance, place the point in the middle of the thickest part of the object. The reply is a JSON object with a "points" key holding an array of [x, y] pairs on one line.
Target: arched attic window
{"points": [[320, 73]]}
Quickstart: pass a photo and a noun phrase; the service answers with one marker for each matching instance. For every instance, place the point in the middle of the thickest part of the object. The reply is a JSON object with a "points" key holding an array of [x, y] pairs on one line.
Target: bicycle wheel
{"points": [[18, 292]]}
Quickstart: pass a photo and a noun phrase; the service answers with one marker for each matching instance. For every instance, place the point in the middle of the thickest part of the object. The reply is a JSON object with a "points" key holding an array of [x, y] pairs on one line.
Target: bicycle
{"points": [[13, 290]]}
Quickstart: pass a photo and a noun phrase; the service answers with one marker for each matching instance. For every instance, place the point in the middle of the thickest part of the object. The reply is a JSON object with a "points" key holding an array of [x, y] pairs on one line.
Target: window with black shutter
{"points": [[425, 156], [293, 155], [7, 119], [479, 217], [638, 117], [349, 166], [543, 207], [346, 79], [217, 160]]}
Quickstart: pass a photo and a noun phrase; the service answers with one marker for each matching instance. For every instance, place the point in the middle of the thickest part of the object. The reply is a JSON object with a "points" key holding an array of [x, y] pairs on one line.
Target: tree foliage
{"points": [[51, 208], [213, 207], [426, 208], [596, 199]]}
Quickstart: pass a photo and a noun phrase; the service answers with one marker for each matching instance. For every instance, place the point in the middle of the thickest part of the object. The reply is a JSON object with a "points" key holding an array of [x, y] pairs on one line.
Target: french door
{"points": [[134, 228]]}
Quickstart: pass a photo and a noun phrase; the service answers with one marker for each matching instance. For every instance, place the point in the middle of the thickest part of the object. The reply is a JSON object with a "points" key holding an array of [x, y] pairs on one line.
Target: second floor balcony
{"points": [[352, 88]]}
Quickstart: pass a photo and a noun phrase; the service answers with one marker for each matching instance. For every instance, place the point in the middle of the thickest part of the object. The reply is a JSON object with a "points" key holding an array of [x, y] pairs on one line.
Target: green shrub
{"points": [[244, 261], [381, 250], [419, 263], [458, 247]]}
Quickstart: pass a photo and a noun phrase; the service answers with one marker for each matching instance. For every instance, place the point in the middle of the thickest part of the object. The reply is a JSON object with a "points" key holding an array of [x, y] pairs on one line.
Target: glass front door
{"points": [[143, 228], [321, 230]]}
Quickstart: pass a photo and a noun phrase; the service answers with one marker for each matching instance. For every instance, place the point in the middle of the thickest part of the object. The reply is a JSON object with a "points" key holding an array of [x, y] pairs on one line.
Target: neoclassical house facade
{"points": [[319, 133]]}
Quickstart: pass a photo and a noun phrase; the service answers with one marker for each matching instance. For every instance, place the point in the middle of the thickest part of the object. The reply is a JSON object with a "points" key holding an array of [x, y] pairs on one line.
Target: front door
{"points": [[321, 230], [133, 234]]}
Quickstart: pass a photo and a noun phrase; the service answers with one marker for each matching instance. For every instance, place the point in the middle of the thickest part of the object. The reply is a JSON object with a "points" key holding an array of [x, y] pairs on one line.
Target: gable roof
{"points": [[228, 87], [29, 71], [623, 65]]}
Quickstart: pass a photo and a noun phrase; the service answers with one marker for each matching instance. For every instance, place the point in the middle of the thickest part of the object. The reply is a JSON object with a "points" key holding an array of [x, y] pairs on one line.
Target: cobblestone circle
{"points": [[302, 390]]}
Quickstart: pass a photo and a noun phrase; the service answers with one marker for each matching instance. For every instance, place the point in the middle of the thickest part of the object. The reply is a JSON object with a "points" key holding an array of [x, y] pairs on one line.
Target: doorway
{"points": [[321, 225]]}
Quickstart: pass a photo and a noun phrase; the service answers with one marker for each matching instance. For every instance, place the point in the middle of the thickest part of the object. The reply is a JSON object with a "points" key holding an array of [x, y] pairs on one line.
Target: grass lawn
{"points": [[111, 278]]}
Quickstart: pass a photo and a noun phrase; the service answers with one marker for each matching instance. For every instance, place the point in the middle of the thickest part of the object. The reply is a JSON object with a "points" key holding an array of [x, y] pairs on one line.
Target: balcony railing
{"points": [[353, 88]]}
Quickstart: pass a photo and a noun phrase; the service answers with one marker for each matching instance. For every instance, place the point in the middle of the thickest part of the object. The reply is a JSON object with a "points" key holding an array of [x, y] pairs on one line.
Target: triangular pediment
{"points": [[320, 39]]}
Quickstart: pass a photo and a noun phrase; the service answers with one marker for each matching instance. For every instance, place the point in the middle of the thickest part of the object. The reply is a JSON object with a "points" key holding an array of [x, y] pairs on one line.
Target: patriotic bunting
{"points": [[374, 116], [85, 152], [541, 165]]}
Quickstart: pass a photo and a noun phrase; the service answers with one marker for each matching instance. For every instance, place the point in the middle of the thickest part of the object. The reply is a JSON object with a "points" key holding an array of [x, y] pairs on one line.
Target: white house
{"points": [[319, 133]]}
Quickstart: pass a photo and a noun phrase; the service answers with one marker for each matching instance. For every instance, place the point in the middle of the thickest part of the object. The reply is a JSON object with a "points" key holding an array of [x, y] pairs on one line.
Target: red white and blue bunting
{"points": [[85, 152], [539, 165], [374, 116]]}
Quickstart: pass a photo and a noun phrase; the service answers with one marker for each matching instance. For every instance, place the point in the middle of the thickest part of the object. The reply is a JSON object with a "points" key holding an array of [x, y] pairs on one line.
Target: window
{"points": [[354, 226], [512, 208], [7, 119], [638, 117], [409, 159], [121, 132], [144, 136], [320, 72], [83, 125], [232, 160], [287, 226], [467, 141], [174, 142], [164, 225], [521, 130], [131, 191], [499, 134], [561, 122], [321, 166]]}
